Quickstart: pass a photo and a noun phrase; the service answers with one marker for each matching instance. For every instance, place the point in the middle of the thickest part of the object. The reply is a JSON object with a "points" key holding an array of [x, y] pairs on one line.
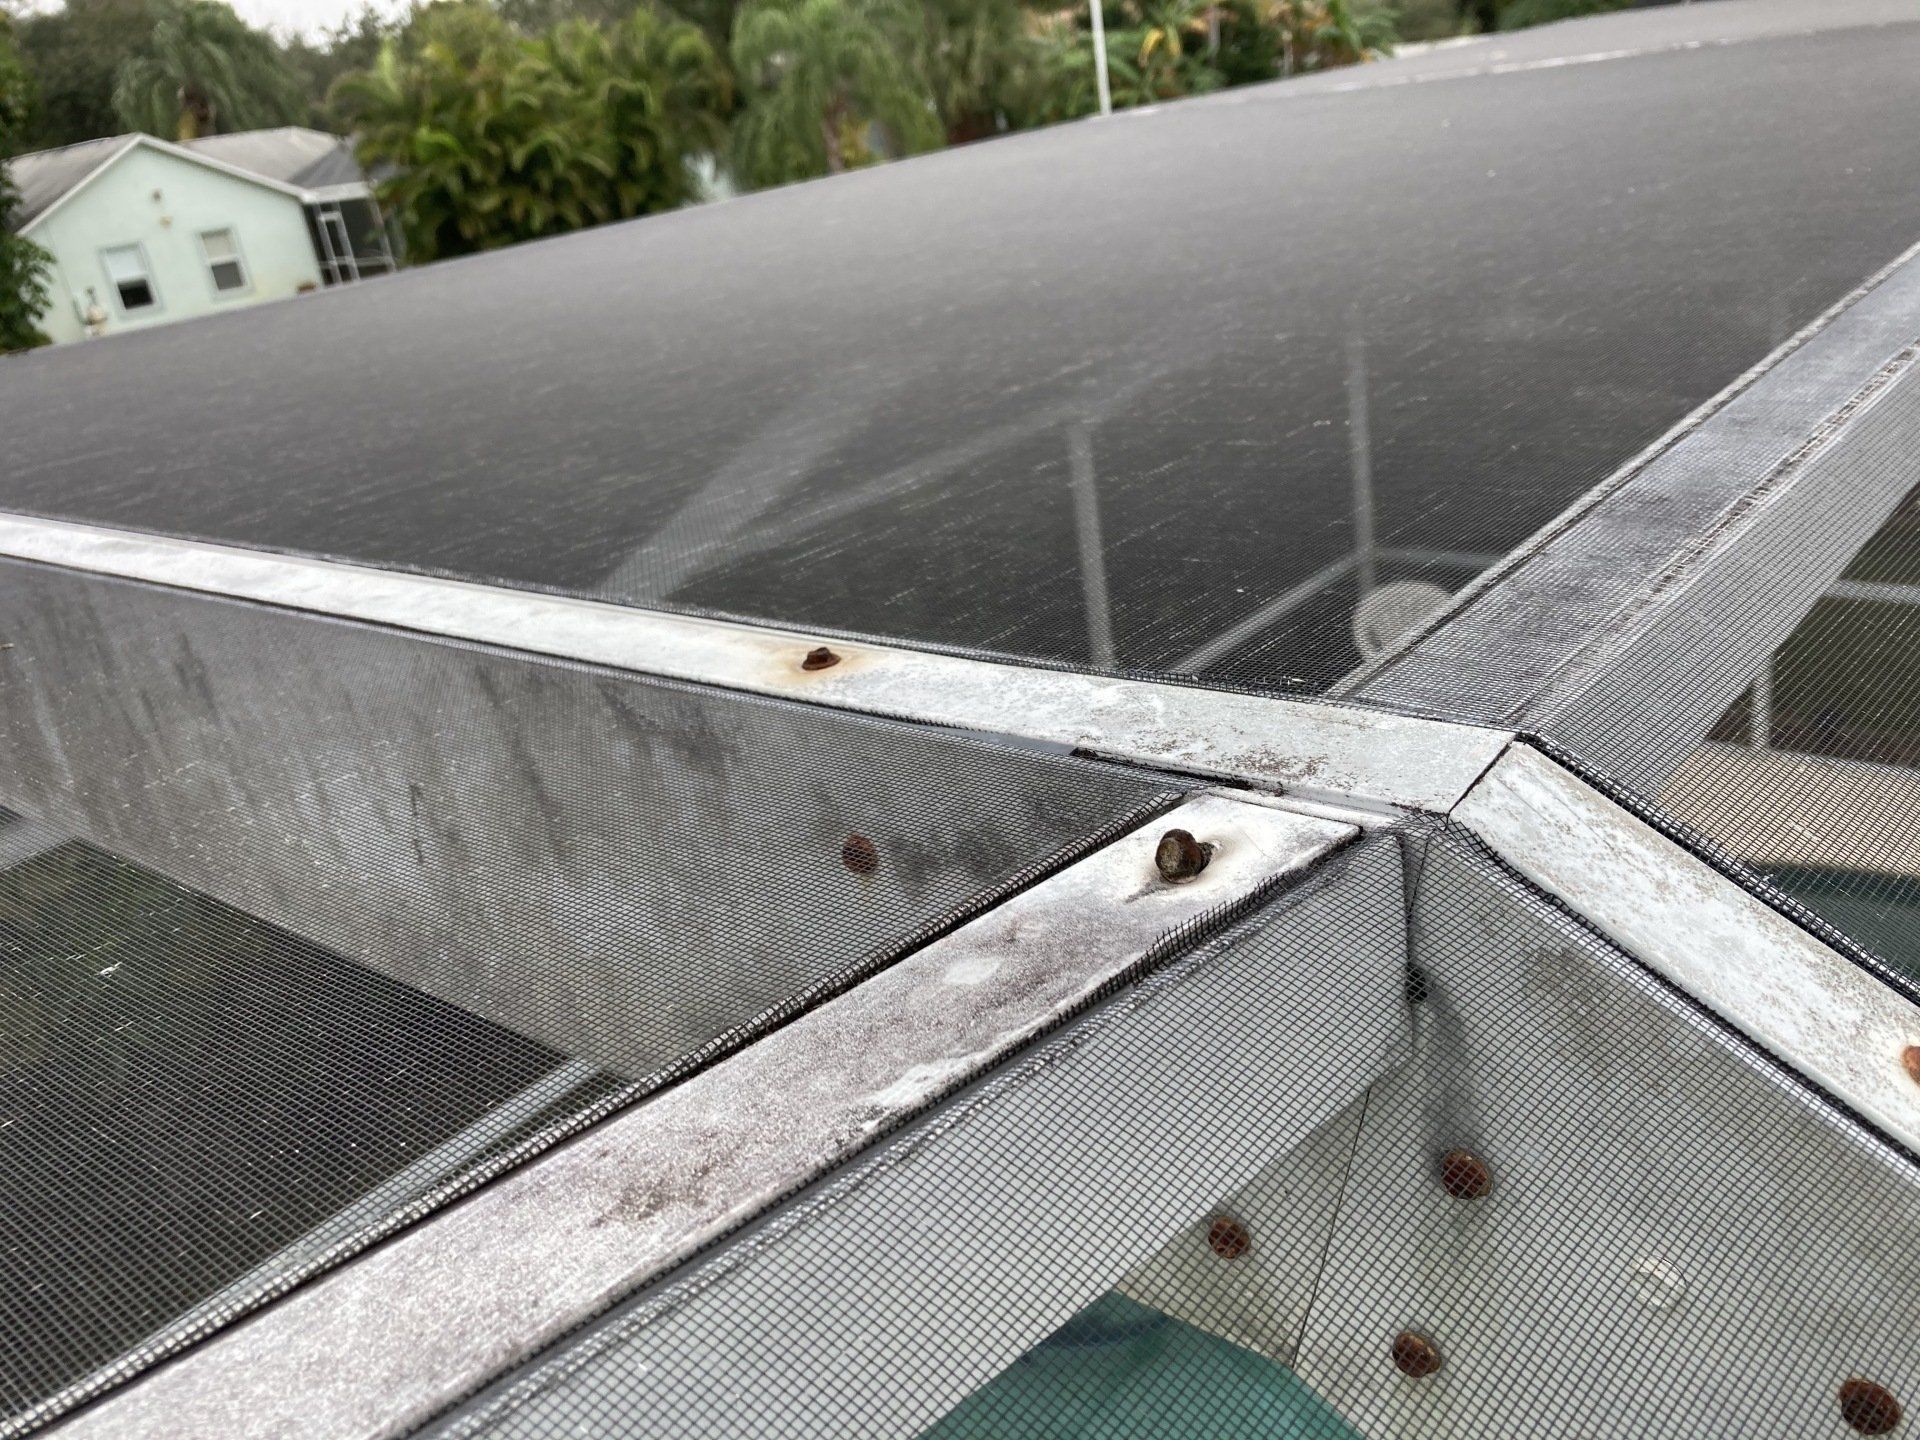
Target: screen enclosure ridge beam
{"points": [[389, 1340], [1297, 746], [1502, 650], [1820, 1013]]}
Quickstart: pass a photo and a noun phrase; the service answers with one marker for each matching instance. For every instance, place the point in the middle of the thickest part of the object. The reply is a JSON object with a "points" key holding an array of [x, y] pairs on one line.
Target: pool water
{"points": [[1119, 1370]]}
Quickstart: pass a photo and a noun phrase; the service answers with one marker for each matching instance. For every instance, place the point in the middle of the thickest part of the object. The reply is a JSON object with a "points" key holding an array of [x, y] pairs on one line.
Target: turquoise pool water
{"points": [[1120, 1371]]}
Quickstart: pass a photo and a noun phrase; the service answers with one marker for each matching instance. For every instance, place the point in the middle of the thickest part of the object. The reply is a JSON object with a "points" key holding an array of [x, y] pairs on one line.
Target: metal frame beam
{"points": [[1738, 958], [386, 1342], [1511, 645], [1296, 746]]}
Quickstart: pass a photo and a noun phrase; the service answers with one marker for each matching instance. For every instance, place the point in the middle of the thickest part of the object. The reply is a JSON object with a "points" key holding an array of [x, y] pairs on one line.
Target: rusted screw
{"points": [[1910, 1057], [1228, 1238], [1464, 1175], [1868, 1408], [1414, 1355], [820, 658], [1180, 856], [860, 855]]}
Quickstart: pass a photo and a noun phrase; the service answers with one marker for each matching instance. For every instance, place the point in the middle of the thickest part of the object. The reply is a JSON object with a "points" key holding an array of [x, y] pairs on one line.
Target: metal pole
{"points": [[1360, 456], [1093, 559], [1100, 57]]}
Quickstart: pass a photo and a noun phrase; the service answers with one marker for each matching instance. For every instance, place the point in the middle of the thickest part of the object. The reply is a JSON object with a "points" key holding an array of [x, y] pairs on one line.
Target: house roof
{"points": [[293, 154], [296, 160], [44, 176]]}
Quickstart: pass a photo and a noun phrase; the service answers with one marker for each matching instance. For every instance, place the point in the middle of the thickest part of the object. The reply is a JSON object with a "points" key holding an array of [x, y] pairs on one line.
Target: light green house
{"points": [[144, 232]]}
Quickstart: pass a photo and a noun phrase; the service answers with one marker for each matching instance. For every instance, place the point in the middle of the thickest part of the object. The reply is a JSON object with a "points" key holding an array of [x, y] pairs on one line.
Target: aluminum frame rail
{"points": [[1681, 559]]}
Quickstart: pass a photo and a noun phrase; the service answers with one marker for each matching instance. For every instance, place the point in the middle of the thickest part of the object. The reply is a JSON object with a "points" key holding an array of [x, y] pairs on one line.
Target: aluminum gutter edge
{"points": [[1298, 746], [390, 1340], [1795, 997]]}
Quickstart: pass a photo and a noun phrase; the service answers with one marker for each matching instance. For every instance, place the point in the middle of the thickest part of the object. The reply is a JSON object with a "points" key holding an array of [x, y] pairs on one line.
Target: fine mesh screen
{"points": [[1236, 389], [878, 1303], [195, 1105], [313, 925], [1812, 778], [1772, 715], [1528, 1192]]}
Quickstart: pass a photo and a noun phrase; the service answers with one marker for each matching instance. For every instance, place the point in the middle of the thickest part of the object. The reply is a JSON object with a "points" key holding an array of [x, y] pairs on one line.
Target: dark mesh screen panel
{"points": [[309, 926], [1530, 1193], [196, 1103], [1174, 394]]}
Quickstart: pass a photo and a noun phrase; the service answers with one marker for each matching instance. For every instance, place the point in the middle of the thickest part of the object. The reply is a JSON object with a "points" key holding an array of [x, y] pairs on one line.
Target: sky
{"points": [[287, 18], [307, 17]]}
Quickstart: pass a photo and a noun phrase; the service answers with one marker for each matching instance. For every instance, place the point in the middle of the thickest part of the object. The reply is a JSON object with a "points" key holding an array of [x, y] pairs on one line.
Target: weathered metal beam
{"points": [[1605, 570], [622, 869], [1741, 960], [1294, 745], [389, 1340]]}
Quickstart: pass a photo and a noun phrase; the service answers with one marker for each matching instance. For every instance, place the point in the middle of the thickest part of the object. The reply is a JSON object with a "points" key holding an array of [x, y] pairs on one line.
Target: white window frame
{"points": [[245, 287], [159, 304]]}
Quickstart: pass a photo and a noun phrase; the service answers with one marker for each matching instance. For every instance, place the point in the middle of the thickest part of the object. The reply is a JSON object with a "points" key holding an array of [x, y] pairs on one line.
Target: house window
{"points": [[126, 267], [224, 264]]}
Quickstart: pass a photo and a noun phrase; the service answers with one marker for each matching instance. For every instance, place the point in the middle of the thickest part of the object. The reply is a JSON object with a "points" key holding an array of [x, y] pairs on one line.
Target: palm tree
{"points": [[975, 54], [496, 139], [1060, 84], [1320, 34], [1168, 34], [822, 80], [203, 70]]}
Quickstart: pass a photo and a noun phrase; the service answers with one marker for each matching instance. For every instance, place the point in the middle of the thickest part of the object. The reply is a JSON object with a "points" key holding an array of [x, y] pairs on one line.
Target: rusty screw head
{"points": [[1228, 1238], [820, 658], [1868, 1408], [1414, 1355], [860, 855], [1180, 857], [1910, 1057], [1464, 1175]]}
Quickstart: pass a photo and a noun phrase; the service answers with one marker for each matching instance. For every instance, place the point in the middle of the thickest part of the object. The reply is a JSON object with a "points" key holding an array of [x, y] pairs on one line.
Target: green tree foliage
{"points": [[497, 138], [23, 264], [534, 17], [353, 44], [203, 71], [73, 54], [827, 85], [1058, 81], [977, 56], [1165, 49]]}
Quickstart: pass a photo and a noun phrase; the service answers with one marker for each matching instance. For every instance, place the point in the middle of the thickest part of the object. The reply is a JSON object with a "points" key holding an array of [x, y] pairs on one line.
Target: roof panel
{"points": [[45, 175], [291, 154], [1253, 359]]}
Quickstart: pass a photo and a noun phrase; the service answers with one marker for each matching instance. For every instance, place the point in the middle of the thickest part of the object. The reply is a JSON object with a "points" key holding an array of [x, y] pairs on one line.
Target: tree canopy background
{"points": [[495, 121], [23, 264]]}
